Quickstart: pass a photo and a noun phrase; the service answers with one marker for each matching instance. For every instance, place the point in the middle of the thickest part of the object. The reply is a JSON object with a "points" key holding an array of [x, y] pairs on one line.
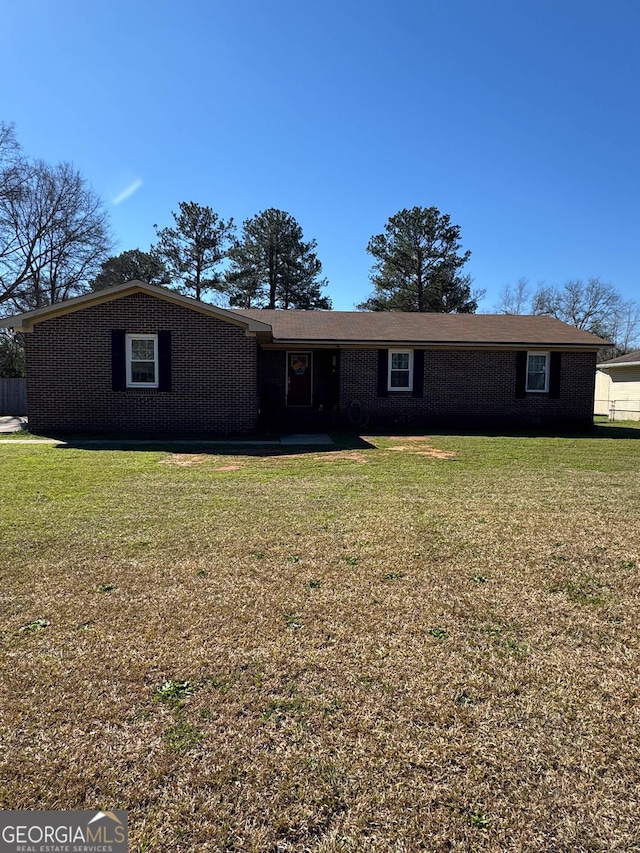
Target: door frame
{"points": [[286, 379]]}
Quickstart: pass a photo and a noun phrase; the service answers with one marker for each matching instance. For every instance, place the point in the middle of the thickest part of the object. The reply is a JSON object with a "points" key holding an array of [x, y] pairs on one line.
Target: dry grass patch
{"points": [[420, 445], [399, 656], [425, 450], [346, 455], [184, 460], [188, 460]]}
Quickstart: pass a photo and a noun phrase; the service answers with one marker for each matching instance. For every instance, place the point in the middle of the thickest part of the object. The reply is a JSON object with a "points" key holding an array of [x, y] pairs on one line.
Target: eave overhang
{"points": [[619, 366], [307, 343]]}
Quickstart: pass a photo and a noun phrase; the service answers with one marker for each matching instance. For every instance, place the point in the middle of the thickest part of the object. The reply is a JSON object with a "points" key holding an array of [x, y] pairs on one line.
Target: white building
{"points": [[618, 388]]}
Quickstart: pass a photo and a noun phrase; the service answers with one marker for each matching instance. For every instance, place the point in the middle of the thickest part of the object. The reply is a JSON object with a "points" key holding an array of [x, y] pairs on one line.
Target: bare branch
{"points": [[53, 235], [514, 300]]}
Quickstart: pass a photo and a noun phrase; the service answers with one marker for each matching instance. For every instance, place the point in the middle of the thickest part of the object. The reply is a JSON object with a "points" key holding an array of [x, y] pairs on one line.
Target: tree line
{"points": [[593, 305], [417, 262], [269, 266], [55, 243]]}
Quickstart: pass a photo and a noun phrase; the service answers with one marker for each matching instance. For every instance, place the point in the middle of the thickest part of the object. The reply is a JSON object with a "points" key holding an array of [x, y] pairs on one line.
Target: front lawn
{"points": [[399, 644]]}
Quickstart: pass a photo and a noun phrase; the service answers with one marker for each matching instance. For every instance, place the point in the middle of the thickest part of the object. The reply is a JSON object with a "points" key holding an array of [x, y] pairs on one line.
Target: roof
{"points": [[24, 322], [337, 328], [360, 327], [631, 359]]}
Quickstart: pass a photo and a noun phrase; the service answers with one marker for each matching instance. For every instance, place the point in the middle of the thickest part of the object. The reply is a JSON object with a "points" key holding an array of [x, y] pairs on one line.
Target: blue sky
{"points": [[518, 118]]}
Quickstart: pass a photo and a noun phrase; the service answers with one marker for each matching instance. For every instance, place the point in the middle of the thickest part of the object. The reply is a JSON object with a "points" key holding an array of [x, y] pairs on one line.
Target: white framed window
{"points": [[538, 371], [142, 361], [400, 370]]}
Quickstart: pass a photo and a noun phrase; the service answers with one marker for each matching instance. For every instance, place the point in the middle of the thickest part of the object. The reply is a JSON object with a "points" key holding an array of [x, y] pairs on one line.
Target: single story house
{"points": [[618, 388], [140, 359]]}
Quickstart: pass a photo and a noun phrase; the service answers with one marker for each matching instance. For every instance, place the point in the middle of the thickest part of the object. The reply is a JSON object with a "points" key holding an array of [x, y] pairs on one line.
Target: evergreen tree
{"points": [[272, 266], [130, 265], [193, 249], [11, 355], [417, 265]]}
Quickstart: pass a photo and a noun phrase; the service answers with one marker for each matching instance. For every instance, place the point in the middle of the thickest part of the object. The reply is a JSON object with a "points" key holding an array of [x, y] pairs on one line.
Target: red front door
{"points": [[299, 370]]}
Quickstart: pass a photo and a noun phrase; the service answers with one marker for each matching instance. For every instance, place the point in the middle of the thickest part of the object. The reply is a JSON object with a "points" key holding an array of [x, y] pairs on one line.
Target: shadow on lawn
{"points": [[229, 447], [269, 445], [607, 430], [599, 431]]}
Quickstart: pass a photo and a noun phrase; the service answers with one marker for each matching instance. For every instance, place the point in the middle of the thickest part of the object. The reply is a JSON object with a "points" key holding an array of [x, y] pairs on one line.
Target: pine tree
{"points": [[272, 266], [193, 250], [130, 265], [417, 265]]}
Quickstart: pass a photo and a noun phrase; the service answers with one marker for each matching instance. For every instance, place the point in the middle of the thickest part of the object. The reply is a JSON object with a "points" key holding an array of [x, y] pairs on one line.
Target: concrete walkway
{"points": [[306, 438]]}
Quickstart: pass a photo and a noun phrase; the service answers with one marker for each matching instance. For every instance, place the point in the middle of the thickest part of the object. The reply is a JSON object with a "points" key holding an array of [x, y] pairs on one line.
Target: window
{"points": [[142, 361], [400, 370], [538, 371]]}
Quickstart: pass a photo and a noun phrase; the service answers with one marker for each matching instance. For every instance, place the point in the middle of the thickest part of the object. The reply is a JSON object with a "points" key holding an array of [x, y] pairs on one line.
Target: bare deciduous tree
{"points": [[514, 300], [625, 330], [54, 232], [592, 305], [11, 159]]}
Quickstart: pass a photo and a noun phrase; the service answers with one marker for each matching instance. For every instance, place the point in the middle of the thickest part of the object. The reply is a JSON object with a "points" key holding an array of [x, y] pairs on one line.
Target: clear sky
{"points": [[518, 118]]}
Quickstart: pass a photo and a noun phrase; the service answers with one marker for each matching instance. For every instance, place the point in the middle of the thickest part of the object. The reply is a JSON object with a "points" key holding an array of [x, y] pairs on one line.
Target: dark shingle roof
{"points": [[391, 327], [350, 327], [629, 358]]}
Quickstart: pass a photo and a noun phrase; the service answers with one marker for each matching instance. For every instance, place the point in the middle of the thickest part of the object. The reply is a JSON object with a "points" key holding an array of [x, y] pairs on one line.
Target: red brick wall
{"points": [[464, 386], [214, 385]]}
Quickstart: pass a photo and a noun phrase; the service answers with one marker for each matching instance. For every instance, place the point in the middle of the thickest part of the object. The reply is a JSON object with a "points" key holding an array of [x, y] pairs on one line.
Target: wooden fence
{"points": [[13, 396]]}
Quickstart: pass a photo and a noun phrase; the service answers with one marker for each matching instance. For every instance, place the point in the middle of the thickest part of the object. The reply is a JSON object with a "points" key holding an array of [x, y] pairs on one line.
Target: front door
{"points": [[299, 371]]}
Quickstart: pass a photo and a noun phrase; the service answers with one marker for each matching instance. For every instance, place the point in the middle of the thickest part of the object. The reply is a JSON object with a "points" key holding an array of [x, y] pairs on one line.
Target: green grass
{"points": [[17, 435], [400, 644]]}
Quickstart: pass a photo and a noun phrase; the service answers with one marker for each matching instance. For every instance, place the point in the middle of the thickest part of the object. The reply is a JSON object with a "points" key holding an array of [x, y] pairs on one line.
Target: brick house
{"points": [[140, 359]]}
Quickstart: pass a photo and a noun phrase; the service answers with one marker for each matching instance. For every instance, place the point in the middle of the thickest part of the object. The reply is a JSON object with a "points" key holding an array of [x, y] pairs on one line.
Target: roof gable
{"points": [[24, 322]]}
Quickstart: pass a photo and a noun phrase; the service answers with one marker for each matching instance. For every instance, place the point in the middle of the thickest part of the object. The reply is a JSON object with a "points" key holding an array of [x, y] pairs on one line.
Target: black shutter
{"points": [[383, 368], [118, 364], [418, 373], [521, 373], [554, 374], [164, 361]]}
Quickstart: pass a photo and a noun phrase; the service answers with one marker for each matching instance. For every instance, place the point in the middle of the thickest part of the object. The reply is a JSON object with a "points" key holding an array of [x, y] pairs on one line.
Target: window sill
{"points": [[140, 392]]}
